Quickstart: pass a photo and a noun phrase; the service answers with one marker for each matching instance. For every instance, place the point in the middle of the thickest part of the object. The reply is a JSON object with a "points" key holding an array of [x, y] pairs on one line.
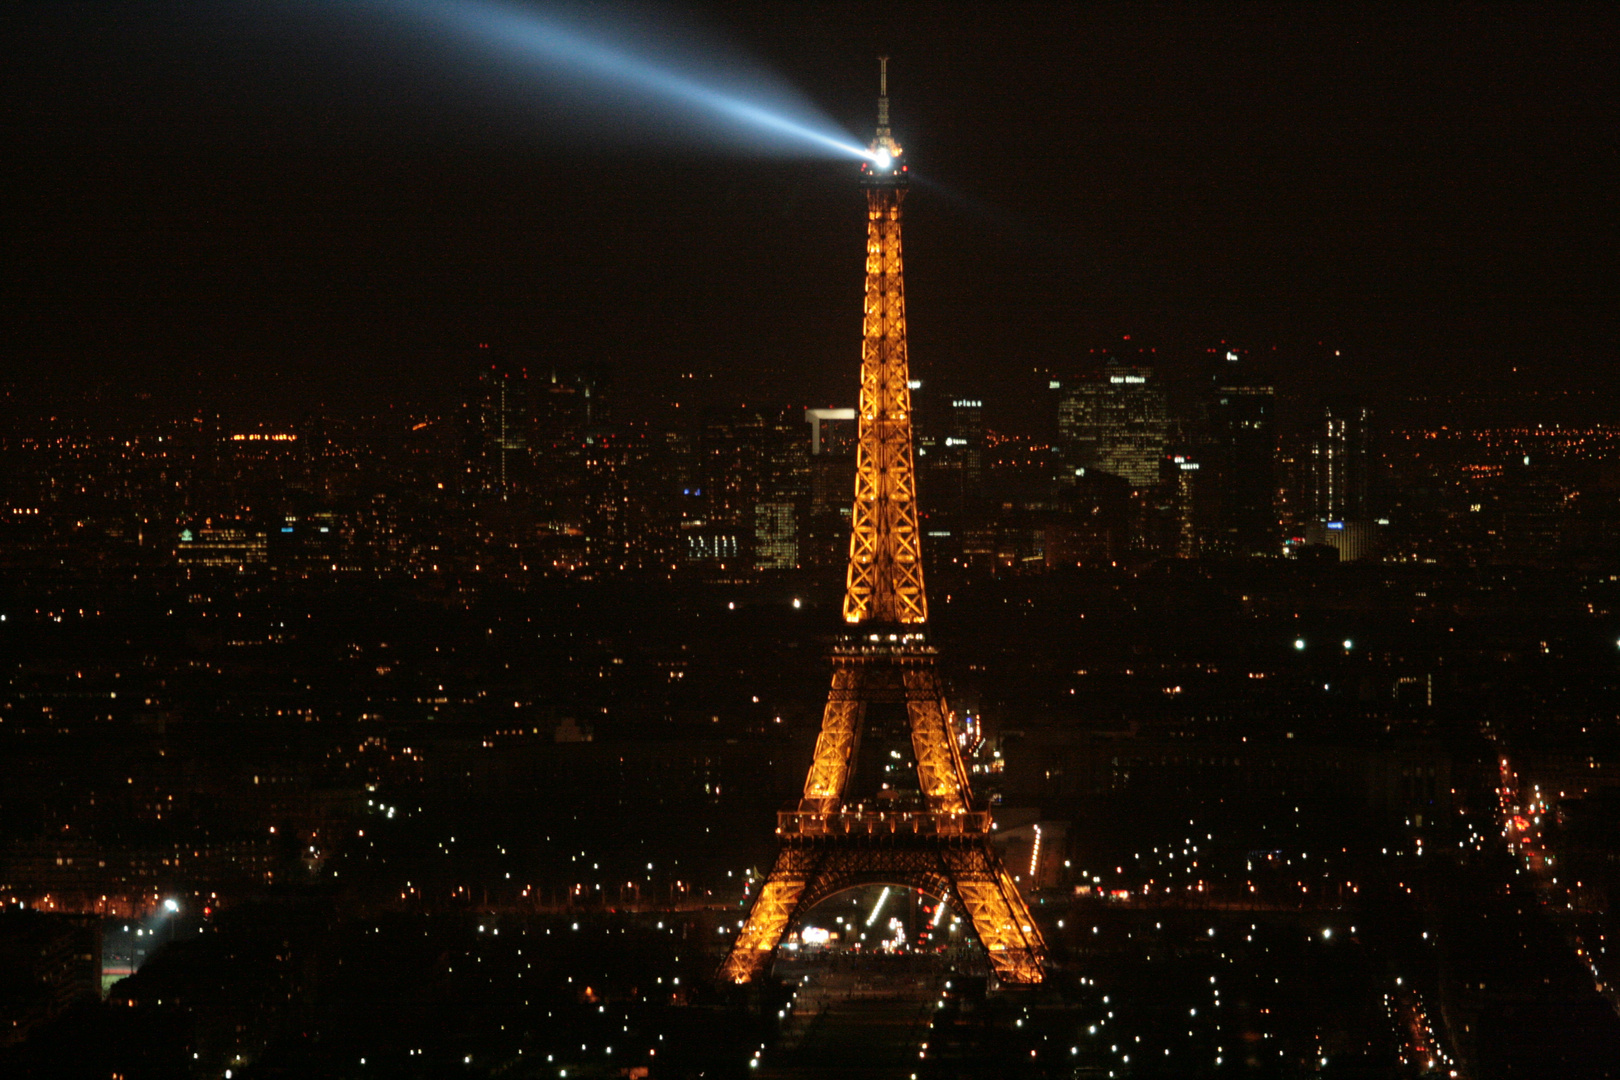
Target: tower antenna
{"points": [[883, 138]]}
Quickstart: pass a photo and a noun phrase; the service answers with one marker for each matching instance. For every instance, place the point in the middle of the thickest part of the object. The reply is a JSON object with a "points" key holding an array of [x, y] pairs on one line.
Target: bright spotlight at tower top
{"points": [[883, 164]]}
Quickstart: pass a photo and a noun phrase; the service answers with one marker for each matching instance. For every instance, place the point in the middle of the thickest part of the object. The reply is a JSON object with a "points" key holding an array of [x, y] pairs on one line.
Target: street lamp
{"points": [[171, 908]]}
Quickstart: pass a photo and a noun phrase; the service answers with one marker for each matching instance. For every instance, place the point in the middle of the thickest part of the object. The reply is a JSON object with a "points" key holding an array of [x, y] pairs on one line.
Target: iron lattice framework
{"points": [[885, 578], [938, 842]]}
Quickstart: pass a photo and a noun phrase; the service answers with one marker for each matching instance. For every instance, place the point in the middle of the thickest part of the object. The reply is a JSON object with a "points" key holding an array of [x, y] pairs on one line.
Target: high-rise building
{"points": [[498, 421], [776, 536], [570, 402], [1090, 523], [756, 479], [1342, 463], [832, 431], [824, 535], [781, 510], [1178, 518], [950, 448], [730, 468], [832, 456], [1114, 421], [627, 499], [1242, 456]]}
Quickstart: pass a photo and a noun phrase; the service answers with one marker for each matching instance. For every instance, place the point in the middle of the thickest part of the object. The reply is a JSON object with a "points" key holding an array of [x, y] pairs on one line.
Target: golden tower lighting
{"points": [[937, 838]]}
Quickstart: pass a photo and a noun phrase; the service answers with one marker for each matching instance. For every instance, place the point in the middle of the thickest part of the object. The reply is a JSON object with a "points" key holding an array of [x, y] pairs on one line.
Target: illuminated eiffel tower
{"points": [[861, 820]]}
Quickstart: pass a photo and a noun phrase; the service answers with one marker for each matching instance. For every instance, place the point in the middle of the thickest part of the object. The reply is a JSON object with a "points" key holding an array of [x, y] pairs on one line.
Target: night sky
{"points": [[296, 200]]}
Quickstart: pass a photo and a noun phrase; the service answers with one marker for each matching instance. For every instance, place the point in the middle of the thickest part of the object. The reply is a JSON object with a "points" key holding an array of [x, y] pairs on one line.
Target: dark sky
{"points": [[300, 205]]}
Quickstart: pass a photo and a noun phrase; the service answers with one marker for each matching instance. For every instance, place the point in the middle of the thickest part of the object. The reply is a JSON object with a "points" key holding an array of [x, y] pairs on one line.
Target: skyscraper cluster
{"points": [[1199, 464]]}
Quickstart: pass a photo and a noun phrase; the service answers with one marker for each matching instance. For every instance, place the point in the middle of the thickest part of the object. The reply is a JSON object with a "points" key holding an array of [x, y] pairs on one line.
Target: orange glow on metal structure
{"points": [[938, 843], [885, 578]]}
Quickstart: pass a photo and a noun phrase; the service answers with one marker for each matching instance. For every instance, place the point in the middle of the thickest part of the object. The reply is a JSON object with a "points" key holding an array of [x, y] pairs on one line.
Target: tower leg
{"points": [[939, 764], [839, 739], [1000, 917], [971, 877], [770, 915]]}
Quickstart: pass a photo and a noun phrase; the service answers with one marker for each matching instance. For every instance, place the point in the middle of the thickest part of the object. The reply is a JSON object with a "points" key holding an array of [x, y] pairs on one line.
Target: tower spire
{"points": [[884, 149], [883, 98]]}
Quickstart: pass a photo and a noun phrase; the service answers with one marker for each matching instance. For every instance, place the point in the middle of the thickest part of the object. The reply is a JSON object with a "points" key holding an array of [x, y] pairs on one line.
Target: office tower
{"points": [[1342, 463], [1114, 421], [949, 430], [755, 477], [1241, 460], [783, 493], [831, 458], [830, 437], [498, 423], [776, 536]]}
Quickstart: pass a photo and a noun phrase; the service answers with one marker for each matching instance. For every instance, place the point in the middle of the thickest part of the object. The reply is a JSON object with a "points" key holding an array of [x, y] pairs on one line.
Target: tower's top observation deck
{"points": [[883, 166]]}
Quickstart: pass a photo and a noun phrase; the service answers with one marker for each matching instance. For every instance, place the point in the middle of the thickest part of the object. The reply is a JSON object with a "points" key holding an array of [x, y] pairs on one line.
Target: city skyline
{"points": [[433, 490]]}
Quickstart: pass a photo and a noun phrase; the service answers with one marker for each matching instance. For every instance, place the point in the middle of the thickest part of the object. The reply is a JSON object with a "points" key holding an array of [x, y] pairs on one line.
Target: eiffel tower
{"points": [[861, 821]]}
